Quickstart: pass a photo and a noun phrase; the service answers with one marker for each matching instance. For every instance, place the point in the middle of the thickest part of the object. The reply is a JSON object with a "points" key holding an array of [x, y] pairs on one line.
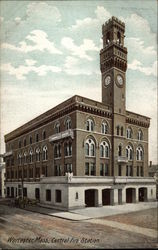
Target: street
{"points": [[21, 229]]}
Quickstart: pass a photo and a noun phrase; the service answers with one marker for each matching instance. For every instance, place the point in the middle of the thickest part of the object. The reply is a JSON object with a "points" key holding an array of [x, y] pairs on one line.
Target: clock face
{"points": [[107, 80], [120, 80]]}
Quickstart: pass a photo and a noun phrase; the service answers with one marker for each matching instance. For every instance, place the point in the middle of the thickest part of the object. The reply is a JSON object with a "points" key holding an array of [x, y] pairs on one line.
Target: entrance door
{"points": [[90, 197], [37, 193], [142, 194], [130, 195], [106, 194]]}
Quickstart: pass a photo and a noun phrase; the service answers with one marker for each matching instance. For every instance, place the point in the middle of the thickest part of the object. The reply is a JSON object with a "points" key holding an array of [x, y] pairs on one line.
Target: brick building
{"points": [[84, 152]]}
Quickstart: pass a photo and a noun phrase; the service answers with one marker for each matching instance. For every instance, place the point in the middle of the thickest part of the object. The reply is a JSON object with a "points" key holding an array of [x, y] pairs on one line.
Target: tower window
{"points": [[108, 38], [118, 37], [117, 130]]}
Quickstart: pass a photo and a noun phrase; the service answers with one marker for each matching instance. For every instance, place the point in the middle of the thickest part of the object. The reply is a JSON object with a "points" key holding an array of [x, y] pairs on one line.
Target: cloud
{"points": [[43, 11], [137, 65], [138, 44], [101, 15], [74, 66], [23, 70], [40, 40], [80, 51]]}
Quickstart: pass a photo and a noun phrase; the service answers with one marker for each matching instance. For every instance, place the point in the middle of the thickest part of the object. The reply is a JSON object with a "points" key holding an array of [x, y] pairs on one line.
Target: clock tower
{"points": [[113, 65]]}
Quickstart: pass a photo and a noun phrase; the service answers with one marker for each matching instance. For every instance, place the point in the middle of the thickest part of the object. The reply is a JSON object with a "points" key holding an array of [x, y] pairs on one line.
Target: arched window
{"points": [[108, 38], [38, 154], [129, 133], [57, 127], [120, 150], [25, 157], [37, 138], [68, 148], [31, 156], [129, 152], [140, 135], [118, 37], [90, 125], [20, 159], [139, 153], [90, 147], [104, 149], [68, 123], [57, 151], [45, 153], [104, 128], [44, 135]]}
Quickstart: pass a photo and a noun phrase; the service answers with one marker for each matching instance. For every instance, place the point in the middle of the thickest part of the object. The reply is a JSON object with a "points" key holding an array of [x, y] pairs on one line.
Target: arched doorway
{"points": [[130, 195], [142, 194], [91, 197], [106, 197]]}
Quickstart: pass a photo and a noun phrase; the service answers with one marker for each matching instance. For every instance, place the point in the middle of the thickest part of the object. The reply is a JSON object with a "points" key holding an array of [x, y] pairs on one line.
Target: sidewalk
{"points": [[93, 212]]}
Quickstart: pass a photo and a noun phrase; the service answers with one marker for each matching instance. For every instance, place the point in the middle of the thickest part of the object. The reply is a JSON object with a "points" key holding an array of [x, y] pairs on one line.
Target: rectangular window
{"points": [[37, 193], [141, 171], [87, 168], [101, 169], [92, 168], [106, 169], [119, 170], [37, 172], [48, 195], [68, 168], [58, 195], [76, 196], [137, 170], [131, 170], [127, 170]]}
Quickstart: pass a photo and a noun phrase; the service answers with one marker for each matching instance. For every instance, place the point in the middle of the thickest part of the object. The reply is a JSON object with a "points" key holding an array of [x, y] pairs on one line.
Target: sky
{"points": [[50, 52]]}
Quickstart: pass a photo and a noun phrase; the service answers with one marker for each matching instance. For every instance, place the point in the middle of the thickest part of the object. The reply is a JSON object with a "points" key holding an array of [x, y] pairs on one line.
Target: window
{"points": [[129, 152], [129, 170], [30, 172], [31, 156], [121, 131], [44, 170], [141, 171], [45, 153], [76, 196], [90, 125], [119, 170], [58, 195], [104, 128], [137, 170], [25, 173], [37, 138], [44, 135], [25, 158], [68, 168], [120, 150], [90, 147], [19, 144], [25, 142], [90, 168], [57, 171], [129, 133], [68, 123], [140, 135], [30, 139], [104, 149], [104, 169], [20, 159], [37, 193], [87, 168], [57, 127], [108, 38], [25, 192], [117, 130], [37, 172], [68, 148], [38, 154], [139, 153], [57, 151], [118, 37], [48, 195]]}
